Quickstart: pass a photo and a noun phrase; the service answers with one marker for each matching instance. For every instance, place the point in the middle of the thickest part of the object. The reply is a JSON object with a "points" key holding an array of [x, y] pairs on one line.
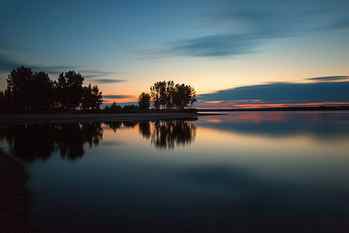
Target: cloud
{"points": [[90, 74], [329, 78], [217, 45], [7, 63], [51, 69], [247, 27], [117, 96], [284, 93], [106, 80]]}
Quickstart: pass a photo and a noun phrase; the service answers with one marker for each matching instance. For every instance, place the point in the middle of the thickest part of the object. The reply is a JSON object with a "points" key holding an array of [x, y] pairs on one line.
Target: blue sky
{"points": [[124, 46]]}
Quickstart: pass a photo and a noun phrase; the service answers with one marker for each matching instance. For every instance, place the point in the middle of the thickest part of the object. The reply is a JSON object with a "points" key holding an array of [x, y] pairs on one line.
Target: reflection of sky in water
{"points": [[250, 167], [327, 125]]}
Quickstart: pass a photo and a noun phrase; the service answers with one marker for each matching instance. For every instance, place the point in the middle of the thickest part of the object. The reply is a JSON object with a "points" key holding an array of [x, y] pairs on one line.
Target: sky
{"points": [[217, 46]]}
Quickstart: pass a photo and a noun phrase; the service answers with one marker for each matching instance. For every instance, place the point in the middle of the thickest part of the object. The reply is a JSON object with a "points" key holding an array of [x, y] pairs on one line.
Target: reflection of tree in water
{"points": [[168, 134], [162, 134], [114, 125], [31, 142], [129, 124], [71, 138], [144, 129], [39, 141]]}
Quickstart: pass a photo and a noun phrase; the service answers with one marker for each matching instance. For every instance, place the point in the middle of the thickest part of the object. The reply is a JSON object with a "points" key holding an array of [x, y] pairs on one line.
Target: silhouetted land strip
{"points": [[15, 197], [310, 108], [88, 117]]}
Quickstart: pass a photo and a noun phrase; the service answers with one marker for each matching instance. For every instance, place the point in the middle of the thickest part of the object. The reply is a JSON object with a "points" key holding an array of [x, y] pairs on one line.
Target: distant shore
{"points": [[88, 117], [302, 108]]}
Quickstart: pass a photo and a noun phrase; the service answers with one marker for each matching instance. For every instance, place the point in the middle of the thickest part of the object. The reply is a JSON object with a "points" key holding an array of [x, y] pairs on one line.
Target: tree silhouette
{"points": [[28, 91], [41, 89], [18, 88], [35, 92], [144, 101], [158, 94], [184, 95], [168, 95], [91, 98], [70, 90]]}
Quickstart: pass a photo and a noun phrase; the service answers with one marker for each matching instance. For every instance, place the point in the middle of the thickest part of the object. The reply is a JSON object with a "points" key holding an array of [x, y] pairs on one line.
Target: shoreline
{"points": [[89, 117], [286, 109], [38, 118]]}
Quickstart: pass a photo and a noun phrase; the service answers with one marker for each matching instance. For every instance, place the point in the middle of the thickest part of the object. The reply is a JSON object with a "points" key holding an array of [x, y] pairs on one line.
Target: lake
{"points": [[239, 172]]}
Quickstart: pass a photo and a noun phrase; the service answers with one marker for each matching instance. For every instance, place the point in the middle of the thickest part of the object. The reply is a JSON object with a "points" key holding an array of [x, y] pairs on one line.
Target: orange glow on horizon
{"points": [[119, 100]]}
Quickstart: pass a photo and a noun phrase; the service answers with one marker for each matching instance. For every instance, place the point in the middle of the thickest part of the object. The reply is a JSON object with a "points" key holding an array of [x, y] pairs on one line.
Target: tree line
{"points": [[34, 92], [167, 95], [162, 96]]}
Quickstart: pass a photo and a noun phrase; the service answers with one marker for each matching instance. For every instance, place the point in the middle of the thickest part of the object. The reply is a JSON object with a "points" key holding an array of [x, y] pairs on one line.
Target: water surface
{"points": [[240, 172]]}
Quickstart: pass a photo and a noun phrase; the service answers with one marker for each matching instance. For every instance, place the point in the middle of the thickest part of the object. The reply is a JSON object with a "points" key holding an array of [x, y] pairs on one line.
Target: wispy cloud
{"points": [[51, 69], [7, 63], [106, 80], [248, 27], [217, 45], [328, 78], [90, 74]]}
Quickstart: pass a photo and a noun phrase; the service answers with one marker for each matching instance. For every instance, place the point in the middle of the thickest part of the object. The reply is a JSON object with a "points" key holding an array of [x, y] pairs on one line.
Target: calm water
{"points": [[241, 172]]}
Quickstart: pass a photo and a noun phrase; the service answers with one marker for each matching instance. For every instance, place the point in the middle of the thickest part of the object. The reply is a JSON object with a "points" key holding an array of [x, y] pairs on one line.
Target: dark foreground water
{"points": [[241, 172]]}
